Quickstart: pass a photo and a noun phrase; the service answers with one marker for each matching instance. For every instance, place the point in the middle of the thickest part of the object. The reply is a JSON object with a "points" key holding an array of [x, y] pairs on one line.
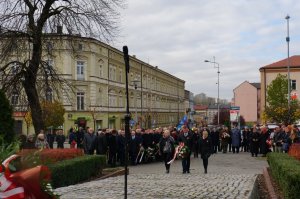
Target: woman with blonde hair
{"points": [[205, 149], [166, 148]]}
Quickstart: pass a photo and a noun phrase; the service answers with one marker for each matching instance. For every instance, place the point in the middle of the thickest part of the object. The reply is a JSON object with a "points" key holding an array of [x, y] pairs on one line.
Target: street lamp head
{"points": [[206, 61], [287, 17]]}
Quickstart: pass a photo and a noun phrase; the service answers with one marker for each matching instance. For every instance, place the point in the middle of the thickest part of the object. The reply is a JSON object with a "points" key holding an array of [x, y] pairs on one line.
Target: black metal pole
{"points": [[127, 118]]}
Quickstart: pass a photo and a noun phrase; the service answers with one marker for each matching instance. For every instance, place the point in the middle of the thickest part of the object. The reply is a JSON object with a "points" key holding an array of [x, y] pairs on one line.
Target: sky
{"points": [[242, 35]]}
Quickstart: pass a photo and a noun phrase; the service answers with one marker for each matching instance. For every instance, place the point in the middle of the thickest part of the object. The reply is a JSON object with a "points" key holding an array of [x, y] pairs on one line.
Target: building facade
{"points": [[97, 96], [189, 107], [269, 72], [247, 97]]}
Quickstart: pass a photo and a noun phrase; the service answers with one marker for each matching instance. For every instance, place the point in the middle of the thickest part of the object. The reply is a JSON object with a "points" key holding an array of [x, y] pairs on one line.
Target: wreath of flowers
{"points": [[184, 152]]}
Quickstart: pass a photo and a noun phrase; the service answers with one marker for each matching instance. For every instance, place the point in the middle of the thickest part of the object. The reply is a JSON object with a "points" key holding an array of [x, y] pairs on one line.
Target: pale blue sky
{"points": [[177, 36]]}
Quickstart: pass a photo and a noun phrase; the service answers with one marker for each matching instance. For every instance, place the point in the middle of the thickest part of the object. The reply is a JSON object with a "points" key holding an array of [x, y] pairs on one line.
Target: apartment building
{"points": [[97, 96]]}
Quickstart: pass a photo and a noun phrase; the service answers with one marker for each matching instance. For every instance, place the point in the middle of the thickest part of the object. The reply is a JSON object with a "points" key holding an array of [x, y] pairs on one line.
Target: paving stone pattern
{"points": [[229, 176]]}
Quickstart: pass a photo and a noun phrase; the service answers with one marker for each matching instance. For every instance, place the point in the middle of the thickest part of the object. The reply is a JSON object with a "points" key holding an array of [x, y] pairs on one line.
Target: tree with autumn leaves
{"points": [[277, 109], [53, 114]]}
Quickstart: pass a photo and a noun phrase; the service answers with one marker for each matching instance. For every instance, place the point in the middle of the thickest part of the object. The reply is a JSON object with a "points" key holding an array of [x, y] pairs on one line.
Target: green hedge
{"points": [[286, 171], [72, 171]]}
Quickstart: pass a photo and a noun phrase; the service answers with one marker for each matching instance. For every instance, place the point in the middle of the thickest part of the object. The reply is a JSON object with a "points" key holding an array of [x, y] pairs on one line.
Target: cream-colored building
{"points": [[97, 73], [269, 72]]}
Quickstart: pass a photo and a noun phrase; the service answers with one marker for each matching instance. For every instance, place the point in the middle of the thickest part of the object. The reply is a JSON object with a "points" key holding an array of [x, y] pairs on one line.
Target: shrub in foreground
{"points": [[286, 171], [73, 171]]}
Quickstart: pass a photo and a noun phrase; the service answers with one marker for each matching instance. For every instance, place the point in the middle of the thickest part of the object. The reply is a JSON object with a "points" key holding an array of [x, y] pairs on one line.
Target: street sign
{"points": [[234, 108], [234, 113]]}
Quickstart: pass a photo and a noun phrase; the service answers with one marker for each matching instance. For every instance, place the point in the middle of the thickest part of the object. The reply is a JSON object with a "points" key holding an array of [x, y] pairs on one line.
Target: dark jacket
{"points": [[60, 139], [100, 144], [205, 147], [88, 141], [163, 141], [187, 140], [134, 145], [112, 143]]}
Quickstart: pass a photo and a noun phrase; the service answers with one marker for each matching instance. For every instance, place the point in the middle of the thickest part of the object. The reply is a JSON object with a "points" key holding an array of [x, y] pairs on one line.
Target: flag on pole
{"points": [[182, 122]]}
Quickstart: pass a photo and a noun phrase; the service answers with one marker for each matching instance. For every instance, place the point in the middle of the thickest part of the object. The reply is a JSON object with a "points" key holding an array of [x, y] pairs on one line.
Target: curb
{"points": [[114, 174], [269, 185], [254, 192]]}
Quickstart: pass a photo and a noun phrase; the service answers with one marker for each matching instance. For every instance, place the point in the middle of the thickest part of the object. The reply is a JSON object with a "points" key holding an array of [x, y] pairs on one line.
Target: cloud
{"points": [[177, 36]]}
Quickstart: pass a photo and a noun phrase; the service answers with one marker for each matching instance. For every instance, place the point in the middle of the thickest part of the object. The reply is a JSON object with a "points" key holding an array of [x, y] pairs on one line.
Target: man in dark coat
{"points": [[60, 139], [236, 139], [112, 144], [88, 140], [121, 147], [134, 147], [100, 143], [187, 138], [50, 139], [215, 138]]}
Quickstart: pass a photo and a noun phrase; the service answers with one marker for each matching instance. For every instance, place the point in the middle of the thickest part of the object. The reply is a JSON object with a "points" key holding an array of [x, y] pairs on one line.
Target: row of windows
{"points": [[117, 101], [15, 96]]}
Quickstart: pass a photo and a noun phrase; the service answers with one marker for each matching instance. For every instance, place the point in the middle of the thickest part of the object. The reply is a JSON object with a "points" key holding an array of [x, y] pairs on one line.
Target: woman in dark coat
{"points": [[254, 142], [205, 149], [264, 135], [166, 148]]}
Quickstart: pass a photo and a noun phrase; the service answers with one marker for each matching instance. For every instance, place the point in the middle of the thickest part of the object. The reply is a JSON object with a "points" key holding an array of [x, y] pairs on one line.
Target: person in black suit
{"points": [[205, 149], [134, 146]]}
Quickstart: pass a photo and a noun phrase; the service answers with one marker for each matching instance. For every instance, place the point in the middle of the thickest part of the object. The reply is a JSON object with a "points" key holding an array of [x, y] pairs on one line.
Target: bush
{"points": [[69, 172], [34, 157], [286, 171]]}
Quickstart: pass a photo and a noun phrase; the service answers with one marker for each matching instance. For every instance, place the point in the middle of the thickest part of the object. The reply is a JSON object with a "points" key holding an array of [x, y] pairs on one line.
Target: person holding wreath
{"points": [[205, 149], [186, 139]]}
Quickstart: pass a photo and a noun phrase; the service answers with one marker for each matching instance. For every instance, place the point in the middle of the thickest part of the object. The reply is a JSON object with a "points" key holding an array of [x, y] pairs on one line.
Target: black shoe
{"points": [[183, 172], [188, 171], [167, 171], [205, 171]]}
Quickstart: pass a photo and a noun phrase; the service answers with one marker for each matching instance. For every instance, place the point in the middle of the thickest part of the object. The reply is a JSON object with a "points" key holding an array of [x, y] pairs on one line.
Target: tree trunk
{"points": [[30, 84], [34, 104]]}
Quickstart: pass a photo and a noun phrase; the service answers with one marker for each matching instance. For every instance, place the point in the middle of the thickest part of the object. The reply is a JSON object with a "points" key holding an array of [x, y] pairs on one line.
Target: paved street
{"points": [[229, 176]]}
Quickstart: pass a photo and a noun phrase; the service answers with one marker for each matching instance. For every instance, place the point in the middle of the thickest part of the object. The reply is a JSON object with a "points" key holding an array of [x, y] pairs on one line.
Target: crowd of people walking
{"points": [[169, 143]]}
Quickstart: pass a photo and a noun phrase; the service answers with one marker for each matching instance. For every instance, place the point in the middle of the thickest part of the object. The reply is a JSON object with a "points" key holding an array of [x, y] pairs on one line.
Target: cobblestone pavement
{"points": [[229, 176]]}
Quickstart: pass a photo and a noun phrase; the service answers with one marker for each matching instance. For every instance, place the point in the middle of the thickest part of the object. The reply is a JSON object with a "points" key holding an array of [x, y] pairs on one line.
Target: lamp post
{"points": [[216, 65], [135, 84], [288, 64]]}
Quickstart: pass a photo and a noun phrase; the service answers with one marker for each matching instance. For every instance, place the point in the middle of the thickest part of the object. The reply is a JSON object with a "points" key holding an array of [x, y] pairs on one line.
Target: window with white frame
{"points": [[80, 65], [112, 73], [112, 99], [293, 84], [120, 100], [80, 101]]}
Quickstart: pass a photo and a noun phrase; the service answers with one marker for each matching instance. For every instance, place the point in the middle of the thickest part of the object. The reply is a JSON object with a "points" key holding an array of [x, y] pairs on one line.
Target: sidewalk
{"points": [[229, 176]]}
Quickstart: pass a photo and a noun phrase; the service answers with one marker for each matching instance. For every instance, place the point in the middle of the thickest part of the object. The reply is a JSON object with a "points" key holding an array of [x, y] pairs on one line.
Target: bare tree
{"points": [[24, 34]]}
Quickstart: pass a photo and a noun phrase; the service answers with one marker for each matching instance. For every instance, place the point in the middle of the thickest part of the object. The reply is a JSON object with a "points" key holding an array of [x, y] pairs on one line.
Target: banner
{"points": [[182, 122]]}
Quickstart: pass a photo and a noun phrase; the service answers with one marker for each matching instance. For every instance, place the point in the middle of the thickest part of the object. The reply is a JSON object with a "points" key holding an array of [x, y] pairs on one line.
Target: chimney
{"points": [[133, 56], [59, 29]]}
